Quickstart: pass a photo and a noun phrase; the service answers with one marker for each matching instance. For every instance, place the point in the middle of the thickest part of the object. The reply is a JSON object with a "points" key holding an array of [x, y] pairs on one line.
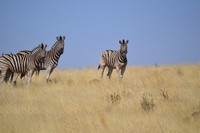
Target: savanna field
{"points": [[157, 99]]}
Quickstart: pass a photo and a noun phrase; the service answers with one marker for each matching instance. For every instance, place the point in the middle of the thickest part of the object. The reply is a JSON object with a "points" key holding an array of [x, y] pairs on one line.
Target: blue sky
{"points": [[159, 31]]}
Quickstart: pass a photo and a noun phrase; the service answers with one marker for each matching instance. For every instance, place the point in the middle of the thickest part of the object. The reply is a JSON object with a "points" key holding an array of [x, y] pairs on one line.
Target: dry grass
{"points": [[78, 101]]}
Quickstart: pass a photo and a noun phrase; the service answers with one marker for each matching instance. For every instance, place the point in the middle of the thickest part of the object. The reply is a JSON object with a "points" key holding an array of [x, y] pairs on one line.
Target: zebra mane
{"points": [[35, 49], [38, 48], [54, 45]]}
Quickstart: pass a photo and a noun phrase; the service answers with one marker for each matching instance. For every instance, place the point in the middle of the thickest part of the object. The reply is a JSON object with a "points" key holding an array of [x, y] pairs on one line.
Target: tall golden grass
{"points": [[149, 99]]}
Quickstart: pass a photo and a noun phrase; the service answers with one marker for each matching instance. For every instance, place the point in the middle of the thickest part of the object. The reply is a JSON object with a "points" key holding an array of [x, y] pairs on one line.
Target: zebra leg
{"points": [[11, 77], [22, 76], [37, 72], [15, 76], [109, 72], [102, 71], [30, 73], [7, 76], [118, 73], [49, 71], [2, 76], [48, 74], [102, 66], [122, 72]]}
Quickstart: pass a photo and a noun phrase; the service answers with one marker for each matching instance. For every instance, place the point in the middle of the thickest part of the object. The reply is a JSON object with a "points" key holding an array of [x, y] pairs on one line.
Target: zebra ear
{"points": [[42, 45], [63, 37], [120, 42], [60, 38], [126, 41], [57, 38], [45, 46]]}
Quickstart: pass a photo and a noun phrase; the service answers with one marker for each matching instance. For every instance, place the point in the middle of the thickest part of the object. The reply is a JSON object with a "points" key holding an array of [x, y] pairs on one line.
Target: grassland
{"points": [[149, 99]]}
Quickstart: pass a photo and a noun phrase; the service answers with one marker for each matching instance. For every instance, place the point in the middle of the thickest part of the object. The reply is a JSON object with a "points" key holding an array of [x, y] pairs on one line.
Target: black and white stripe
{"points": [[52, 57], [24, 52], [114, 60], [19, 63]]}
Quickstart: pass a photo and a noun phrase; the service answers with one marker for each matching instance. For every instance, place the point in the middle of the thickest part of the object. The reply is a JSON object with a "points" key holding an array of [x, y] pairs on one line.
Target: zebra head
{"points": [[123, 47], [41, 53], [60, 44]]}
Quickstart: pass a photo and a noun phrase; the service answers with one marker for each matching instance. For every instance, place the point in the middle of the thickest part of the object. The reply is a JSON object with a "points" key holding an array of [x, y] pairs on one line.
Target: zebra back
{"points": [[20, 63], [28, 52], [24, 52]]}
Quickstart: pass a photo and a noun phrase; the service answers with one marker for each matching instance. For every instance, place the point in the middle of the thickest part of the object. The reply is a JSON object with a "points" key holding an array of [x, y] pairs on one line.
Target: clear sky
{"points": [[159, 31]]}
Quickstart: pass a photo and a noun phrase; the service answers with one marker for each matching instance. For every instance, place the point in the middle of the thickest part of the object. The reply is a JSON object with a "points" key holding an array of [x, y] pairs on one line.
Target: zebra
{"points": [[114, 60], [10, 63], [24, 52], [52, 57]]}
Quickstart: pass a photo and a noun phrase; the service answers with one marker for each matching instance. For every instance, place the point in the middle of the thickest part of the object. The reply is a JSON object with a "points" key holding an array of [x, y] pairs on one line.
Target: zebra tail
{"points": [[98, 67]]}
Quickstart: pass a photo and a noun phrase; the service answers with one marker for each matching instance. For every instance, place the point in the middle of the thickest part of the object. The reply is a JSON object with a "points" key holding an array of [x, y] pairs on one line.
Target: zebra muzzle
{"points": [[61, 51]]}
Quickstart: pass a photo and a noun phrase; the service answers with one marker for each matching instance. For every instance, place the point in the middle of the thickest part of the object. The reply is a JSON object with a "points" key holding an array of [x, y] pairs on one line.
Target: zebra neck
{"points": [[53, 52], [122, 58], [34, 58], [51, 59]]}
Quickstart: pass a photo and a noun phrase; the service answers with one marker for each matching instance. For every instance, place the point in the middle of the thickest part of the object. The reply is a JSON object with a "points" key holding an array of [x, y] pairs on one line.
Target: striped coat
{"points": [[25, 52], [17, 63], [52, 57], [114, 60]]}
